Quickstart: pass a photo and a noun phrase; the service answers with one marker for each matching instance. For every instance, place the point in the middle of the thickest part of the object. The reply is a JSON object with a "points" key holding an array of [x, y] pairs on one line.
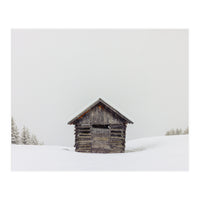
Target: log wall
{"points": [[83, 139], [100, 131], [97, 140]]}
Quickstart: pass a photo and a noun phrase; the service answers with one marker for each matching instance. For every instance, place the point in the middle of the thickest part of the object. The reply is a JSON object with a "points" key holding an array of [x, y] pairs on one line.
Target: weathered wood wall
{"points": [[100, 131], [83, 138], [118, 137], [100, 115]]}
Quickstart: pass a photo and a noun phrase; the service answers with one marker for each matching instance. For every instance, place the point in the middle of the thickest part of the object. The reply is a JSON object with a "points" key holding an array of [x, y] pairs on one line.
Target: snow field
{"points": [[155, 153]]}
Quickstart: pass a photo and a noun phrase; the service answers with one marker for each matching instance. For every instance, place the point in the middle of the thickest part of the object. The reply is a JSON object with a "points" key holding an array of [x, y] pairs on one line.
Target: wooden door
{"points": [[101, 140]]}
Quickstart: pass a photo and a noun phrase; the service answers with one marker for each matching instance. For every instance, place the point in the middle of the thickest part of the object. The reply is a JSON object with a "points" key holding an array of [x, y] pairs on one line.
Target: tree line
{"points": [[25, 137], [178, 132]]}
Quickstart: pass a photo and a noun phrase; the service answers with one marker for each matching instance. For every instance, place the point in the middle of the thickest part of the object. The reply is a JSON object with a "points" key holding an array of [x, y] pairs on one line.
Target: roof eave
{"points": [[96, 102]]}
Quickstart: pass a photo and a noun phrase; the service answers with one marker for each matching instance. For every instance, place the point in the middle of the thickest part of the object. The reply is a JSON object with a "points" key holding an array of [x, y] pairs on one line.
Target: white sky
{"points": [[57, 73]]}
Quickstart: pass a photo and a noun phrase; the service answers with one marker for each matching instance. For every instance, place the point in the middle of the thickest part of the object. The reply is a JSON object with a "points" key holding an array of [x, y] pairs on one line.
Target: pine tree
{"points": [[25, 136], [34, 140], [173, 132], [186, 131], [15, 139], [167, 133], [177, 132]]}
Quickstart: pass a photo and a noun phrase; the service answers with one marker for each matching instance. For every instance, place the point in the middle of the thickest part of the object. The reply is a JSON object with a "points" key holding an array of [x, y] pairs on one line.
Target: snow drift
{"points": [[155, 153]]}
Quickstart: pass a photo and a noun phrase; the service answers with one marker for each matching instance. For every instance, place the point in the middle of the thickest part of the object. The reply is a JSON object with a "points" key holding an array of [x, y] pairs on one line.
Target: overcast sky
{"points": [[58, 73]]}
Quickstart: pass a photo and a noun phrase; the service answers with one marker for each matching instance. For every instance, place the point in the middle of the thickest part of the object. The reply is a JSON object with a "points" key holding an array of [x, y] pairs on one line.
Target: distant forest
{"points": [[178, 132], [24, 137]]}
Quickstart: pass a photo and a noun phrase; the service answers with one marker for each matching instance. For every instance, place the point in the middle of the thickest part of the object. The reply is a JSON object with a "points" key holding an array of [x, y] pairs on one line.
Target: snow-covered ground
{"points": [[155, 153]]}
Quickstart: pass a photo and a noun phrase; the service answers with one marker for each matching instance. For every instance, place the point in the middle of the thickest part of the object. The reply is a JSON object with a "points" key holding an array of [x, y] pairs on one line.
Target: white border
{"points": [[99, 14]]}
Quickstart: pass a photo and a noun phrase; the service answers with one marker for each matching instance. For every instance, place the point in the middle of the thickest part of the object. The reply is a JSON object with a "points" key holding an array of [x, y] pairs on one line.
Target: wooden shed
{"points": [[100, 129]]}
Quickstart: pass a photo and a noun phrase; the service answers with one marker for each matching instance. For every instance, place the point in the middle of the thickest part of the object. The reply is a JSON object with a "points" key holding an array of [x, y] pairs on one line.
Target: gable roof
{"points": [[106, 105]]}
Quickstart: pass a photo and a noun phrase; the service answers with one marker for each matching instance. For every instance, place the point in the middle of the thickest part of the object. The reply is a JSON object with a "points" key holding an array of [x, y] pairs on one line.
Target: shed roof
{"points": [[96, 103]]}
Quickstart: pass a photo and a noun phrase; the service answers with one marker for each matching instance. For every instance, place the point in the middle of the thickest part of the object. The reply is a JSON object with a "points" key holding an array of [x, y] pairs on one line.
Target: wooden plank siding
{"points": [[97, 140], [101, 129], [100, 115]]}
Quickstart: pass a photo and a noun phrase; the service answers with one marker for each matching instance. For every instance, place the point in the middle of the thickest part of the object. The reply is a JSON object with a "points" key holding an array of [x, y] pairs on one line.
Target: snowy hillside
{"points": [[155, 153]]}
